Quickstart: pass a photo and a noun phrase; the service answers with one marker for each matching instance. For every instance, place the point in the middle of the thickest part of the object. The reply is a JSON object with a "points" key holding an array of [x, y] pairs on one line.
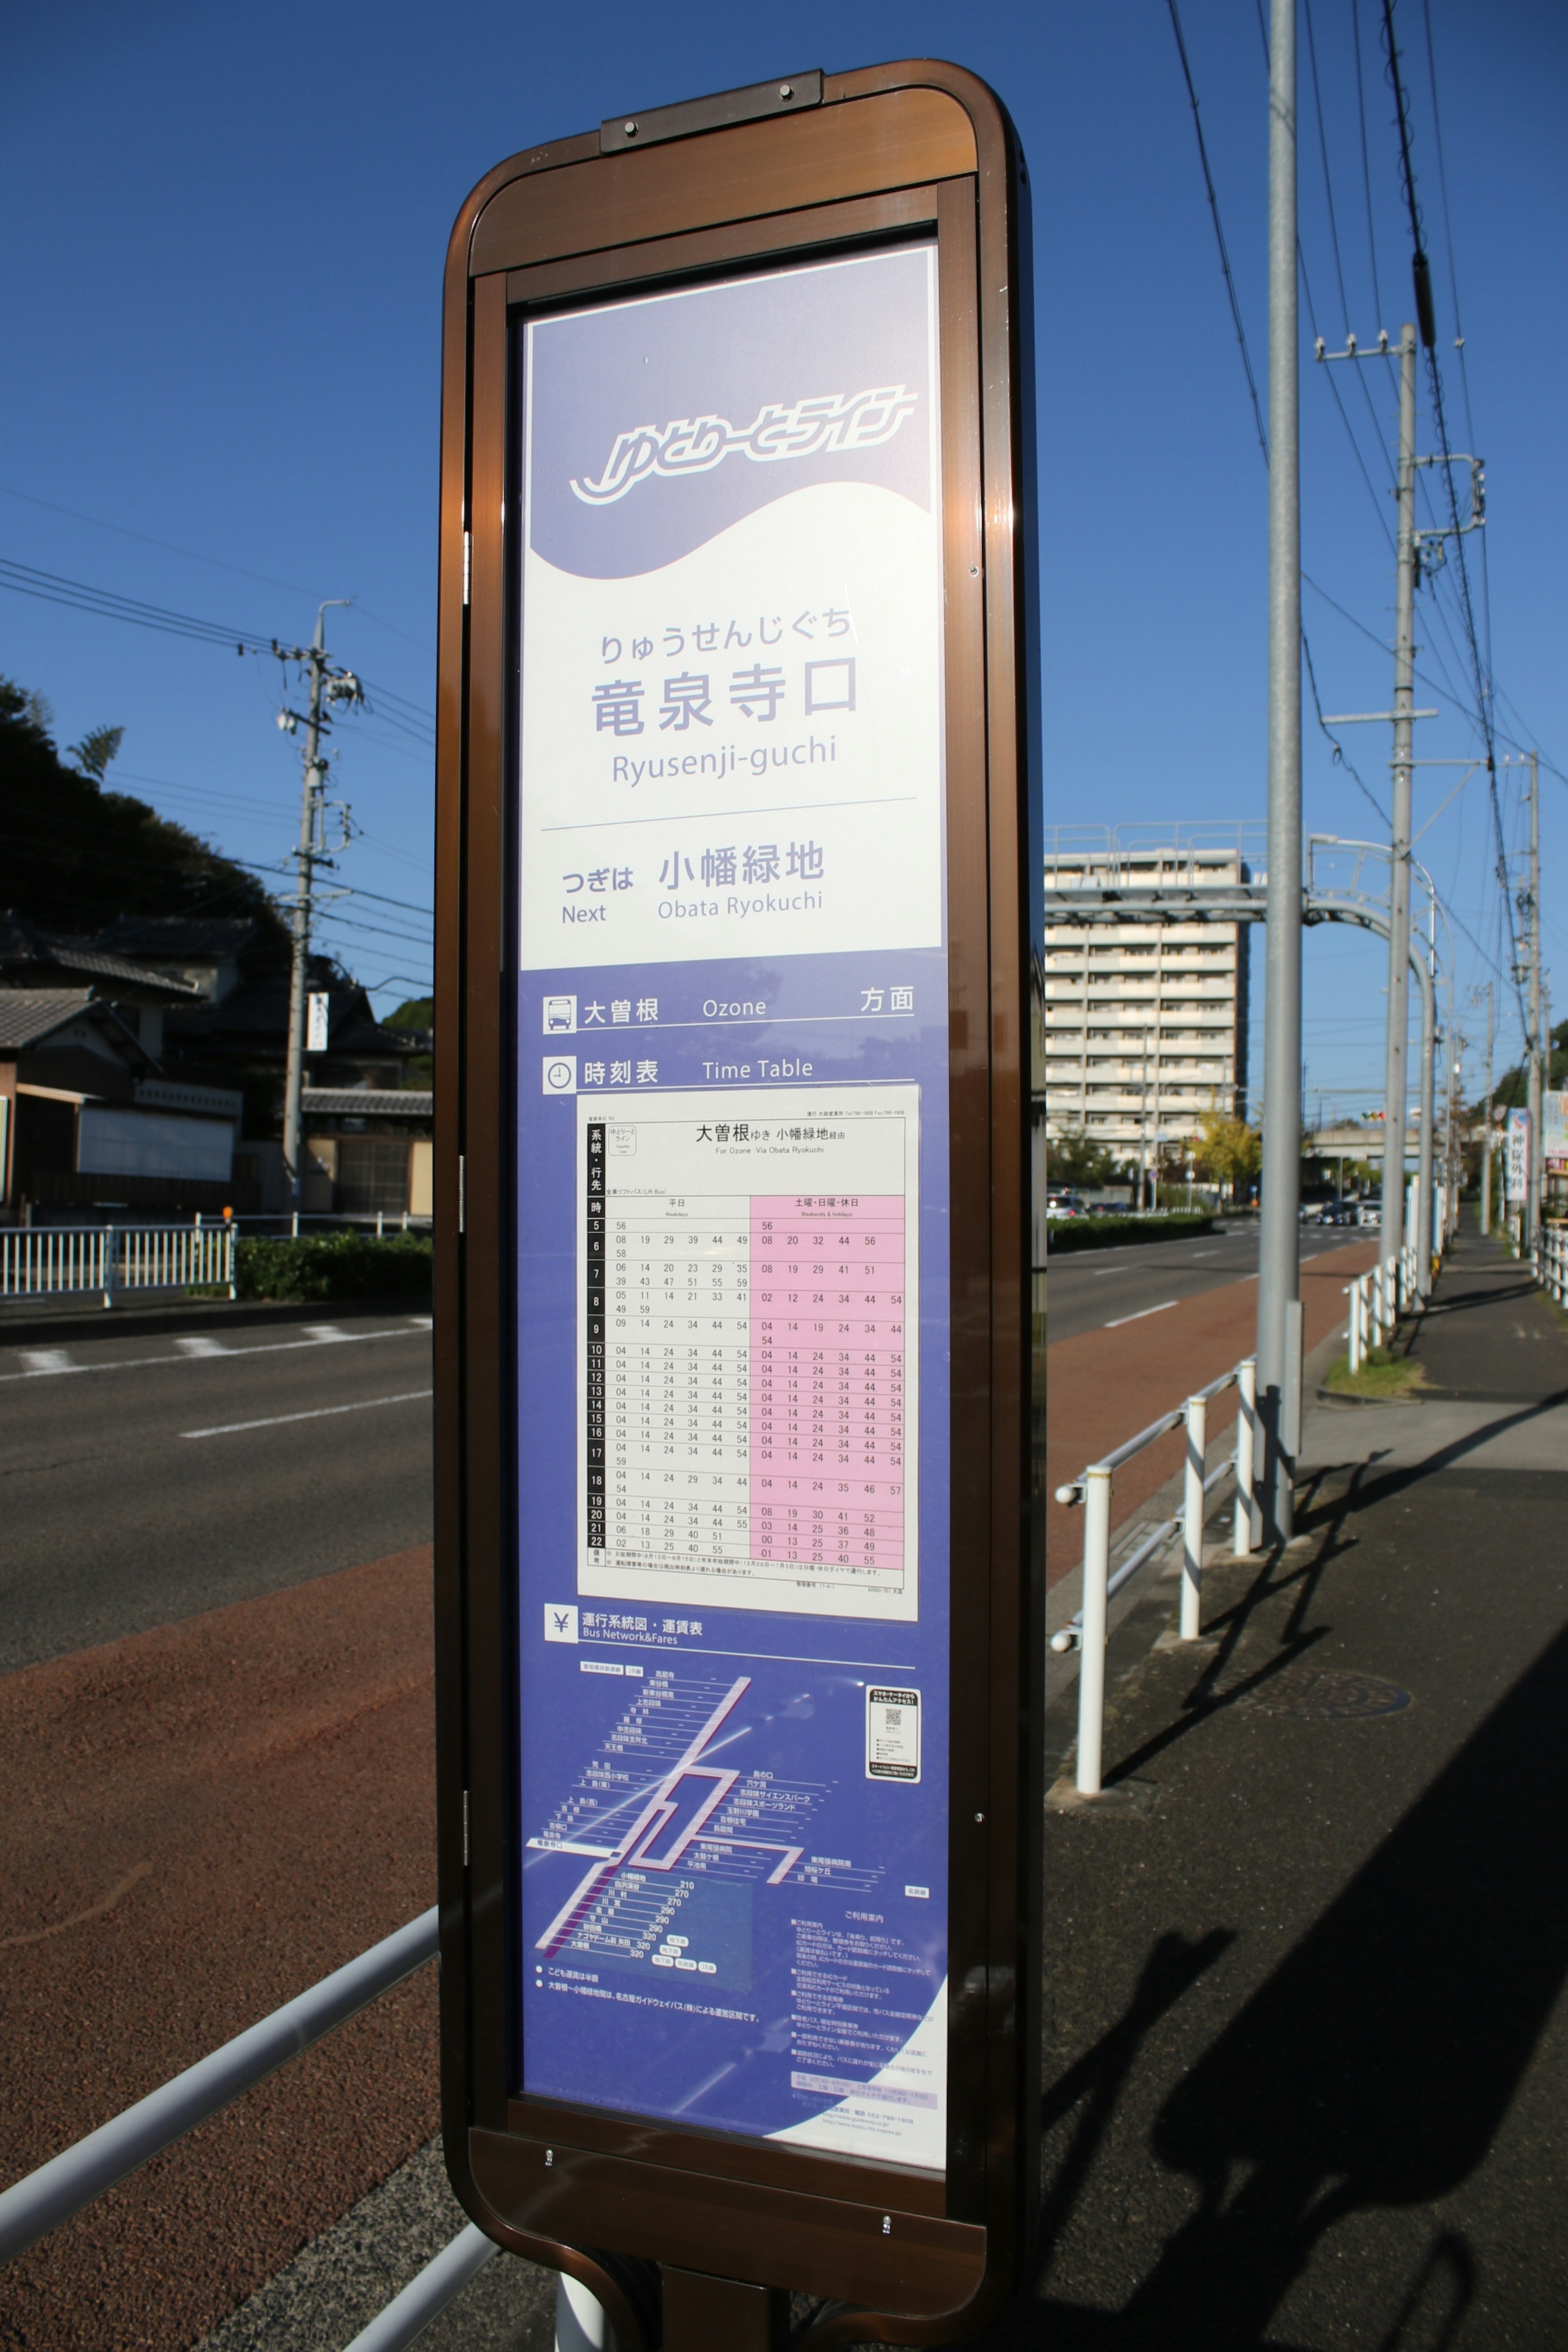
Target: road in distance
{"points": [[1086, 1290], [116, 1520]]}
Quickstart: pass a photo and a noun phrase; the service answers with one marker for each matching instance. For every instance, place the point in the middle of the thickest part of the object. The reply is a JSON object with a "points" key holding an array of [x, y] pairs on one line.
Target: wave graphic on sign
{"points": [[822, 424]]}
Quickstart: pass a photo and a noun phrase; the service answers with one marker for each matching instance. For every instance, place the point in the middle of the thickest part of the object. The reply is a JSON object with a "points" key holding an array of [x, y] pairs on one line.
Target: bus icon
{"points": [[560, 1015]]}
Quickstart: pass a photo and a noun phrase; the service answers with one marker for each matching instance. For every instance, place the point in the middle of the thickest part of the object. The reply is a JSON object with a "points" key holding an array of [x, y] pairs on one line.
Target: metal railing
{"points": [[43, 1261], [1388, 1290], [1093, 1488], [1377, 1298], [82, 2173], [1552, 1262]]}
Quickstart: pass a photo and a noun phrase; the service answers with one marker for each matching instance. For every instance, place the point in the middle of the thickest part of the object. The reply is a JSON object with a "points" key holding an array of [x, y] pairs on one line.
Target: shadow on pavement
{"points": [[1371, 2070]]}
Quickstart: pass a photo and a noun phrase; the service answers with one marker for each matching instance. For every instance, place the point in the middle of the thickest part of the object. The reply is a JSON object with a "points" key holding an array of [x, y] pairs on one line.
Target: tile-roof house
{"points": [[237, 1024], [61, 1049], [33, 956]]}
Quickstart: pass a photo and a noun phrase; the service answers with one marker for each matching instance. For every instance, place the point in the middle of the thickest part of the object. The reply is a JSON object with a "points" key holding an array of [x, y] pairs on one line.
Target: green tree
{"points": [[415, 1013], [1512, 1090], [94, 752], [1229, 1153], [73, 856], [1072, 1160]]}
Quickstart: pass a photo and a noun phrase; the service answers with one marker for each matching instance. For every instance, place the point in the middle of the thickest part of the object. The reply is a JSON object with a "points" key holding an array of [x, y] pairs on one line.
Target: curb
{"points": [[1338, 1397], [90, 1320]]}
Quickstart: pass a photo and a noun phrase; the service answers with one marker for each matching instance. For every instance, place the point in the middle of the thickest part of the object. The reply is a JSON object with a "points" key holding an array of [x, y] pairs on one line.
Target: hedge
{"points": [[1065, 1234], [335, 1265]]}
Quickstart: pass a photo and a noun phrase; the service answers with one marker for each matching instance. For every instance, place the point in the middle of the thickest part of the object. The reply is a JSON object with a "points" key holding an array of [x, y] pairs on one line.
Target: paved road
{"points": [[1104, 1288], [143, 1481]]}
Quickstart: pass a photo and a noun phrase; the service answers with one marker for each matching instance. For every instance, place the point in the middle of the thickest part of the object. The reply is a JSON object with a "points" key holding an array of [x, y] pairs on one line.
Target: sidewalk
{"points": [[1306, 2056]]}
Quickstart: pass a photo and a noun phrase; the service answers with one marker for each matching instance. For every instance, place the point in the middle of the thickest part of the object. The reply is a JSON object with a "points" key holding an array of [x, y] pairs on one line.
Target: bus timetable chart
{"points": [[746, 1358]]}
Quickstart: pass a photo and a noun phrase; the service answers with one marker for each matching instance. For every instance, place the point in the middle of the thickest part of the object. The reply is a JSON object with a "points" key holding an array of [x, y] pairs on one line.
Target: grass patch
{"points": [[1380, 1375]]}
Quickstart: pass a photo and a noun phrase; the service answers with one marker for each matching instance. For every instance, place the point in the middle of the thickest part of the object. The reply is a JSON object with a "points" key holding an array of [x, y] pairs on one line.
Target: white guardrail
{"points": [[1552, 1262], [1378, 1298], [1092, 1489], [51, 1261]]}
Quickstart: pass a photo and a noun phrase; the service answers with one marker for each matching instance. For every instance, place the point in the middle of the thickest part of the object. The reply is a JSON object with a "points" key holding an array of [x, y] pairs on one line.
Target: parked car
{"points": [[1060, 1203], [1369, 1209], [1335, 1212]]}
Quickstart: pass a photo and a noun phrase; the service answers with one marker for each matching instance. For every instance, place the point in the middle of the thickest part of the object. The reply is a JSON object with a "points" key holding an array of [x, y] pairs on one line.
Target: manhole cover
{"points": [[1325, 1693]]}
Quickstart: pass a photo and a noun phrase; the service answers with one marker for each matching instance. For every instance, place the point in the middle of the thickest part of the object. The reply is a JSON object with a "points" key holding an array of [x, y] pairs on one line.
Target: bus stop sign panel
{"points": [[738, 1637]]}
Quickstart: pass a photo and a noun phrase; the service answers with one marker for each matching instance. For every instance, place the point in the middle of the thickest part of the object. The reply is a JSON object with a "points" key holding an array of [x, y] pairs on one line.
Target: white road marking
{"points": [[203, 1345], [321, 1413], [36, 1359], [325, 1331], [1121, 1319]]}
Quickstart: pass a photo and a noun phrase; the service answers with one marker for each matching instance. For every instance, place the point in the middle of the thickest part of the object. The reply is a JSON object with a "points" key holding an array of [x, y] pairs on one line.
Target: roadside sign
{"points": [[1554, 1130], [316, 1010], [1518, 1140], [739, 1641]]}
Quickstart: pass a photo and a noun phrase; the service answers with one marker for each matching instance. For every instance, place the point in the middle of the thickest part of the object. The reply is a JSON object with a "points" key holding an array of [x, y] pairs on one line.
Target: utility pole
{"points": [[328, 685], [1431, 1047], [1532, 1200], [1487, 1133], [1395, 1064], [1279, 1237]]}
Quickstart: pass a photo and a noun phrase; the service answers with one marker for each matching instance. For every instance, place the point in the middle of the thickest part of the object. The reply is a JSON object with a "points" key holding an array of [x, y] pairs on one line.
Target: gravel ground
{"points": [[328, 2292]]}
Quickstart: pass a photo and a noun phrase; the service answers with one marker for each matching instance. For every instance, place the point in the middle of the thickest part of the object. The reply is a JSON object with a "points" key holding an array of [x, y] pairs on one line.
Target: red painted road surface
{"points": [[1103, 1387], [198, 1822]]}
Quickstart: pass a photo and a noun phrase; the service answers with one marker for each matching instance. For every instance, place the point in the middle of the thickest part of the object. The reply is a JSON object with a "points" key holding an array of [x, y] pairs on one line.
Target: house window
{"points": [[373, 1173]]}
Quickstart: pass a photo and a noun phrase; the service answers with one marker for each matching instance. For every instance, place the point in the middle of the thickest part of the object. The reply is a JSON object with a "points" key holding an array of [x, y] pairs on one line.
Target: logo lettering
{"points": [[826, 422]]}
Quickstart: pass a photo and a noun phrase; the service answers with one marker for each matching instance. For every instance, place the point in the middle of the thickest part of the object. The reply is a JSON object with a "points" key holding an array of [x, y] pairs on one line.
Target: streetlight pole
{"points": [[1532, 1198], [1396, 1067], [1486, 1130], [1280, 1238]]}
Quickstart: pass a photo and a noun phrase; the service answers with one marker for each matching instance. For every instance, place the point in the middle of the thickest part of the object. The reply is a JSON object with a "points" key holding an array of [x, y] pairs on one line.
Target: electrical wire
{"points": [[1219, 235], [1454, 297], [1478, 668], [1340, 757], [108, 604], [1365, 164], [53, 589], [1338, 269]]}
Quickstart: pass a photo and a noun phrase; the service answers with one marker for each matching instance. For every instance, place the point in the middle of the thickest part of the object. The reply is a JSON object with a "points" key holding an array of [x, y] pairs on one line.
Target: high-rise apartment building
{"points": [[1145, 1022]]}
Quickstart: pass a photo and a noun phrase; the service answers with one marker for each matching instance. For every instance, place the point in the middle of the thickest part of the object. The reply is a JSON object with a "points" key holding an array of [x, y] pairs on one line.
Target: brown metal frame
{"points": [[887, 150]]}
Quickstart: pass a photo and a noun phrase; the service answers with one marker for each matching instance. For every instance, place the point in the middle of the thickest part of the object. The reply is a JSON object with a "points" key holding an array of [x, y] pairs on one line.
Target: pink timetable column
{"points": [[827, 1382]]}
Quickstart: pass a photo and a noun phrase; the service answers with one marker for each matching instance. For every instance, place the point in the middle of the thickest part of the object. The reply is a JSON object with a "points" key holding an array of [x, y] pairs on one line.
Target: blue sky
{"points": [[223, 238]]}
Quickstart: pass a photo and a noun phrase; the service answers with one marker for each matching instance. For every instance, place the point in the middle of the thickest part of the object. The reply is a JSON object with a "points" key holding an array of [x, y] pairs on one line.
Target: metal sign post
{"points": [[738, 1644]]}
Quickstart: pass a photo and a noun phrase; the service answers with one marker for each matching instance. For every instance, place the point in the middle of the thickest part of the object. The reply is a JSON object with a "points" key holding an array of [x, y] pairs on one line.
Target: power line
{"points": [[1454, 297], [53, 589], [147, 539], [1365, 166], [194, 555], [1219, 233], [108, 604], [1339, 750], [1423, 281], [1323, 152]]}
